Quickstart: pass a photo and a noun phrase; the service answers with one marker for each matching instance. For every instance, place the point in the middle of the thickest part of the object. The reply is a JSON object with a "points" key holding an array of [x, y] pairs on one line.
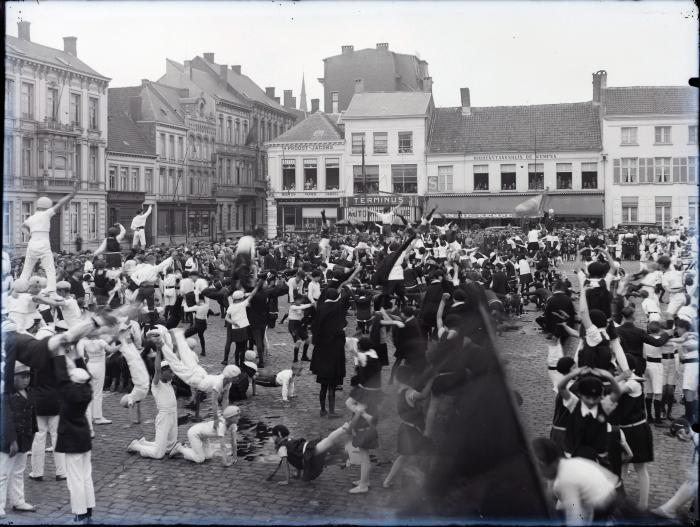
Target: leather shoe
{"points": [[24, 507], [60, 477]]}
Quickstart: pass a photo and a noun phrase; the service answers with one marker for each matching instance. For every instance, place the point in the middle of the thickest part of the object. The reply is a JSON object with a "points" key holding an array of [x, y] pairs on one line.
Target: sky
{"points": [[507, 53]]}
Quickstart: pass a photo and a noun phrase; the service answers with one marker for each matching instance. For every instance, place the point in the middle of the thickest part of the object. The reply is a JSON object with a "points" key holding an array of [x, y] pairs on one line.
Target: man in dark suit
{"points": [[633, 338], [559, 308]]}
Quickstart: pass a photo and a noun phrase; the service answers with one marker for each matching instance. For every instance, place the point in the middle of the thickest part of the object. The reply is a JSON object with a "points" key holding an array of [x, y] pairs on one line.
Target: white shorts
{"points": [[675, 302], [655, 377], [690, 376], [670, 374]]}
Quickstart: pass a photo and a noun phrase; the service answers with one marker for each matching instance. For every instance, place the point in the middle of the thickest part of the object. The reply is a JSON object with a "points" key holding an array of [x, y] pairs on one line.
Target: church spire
{"points": [[302, 96]]}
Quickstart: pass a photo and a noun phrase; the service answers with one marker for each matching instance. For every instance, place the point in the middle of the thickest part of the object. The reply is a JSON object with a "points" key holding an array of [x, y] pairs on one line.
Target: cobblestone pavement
{"points": [[130, 489]]}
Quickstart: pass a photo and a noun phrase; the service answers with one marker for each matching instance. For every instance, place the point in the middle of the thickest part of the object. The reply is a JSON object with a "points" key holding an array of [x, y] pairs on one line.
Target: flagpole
{"points": [[364, 180]]}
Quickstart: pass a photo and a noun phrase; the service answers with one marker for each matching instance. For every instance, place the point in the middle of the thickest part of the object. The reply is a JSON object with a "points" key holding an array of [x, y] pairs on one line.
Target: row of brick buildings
{"points": [[191, 143], [629, 155]]}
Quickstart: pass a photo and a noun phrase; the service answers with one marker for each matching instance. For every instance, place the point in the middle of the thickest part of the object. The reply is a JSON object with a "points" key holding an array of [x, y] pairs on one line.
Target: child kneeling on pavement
{"points": [[202, 437]]}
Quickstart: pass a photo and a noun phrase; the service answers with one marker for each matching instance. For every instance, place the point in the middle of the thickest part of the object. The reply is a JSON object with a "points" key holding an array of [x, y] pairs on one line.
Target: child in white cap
{"points": [[206, 438], [19, 427], [39, 246]]}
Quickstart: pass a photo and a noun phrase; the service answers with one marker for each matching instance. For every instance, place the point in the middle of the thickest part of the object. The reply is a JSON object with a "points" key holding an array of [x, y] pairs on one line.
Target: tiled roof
{"points": [[201, 81], [161, 103], [124, 135], [547, 127], [651, 100], [316, 127], [246, 87], [55, 57], [388, 104]]}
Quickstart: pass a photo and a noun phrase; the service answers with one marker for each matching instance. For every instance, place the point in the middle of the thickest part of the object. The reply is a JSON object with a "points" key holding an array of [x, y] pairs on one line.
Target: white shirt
{"points": [[191, 264], [94, 349], [40, 221], [523, 267], [186, 286], [71, 311], [587, 482], [237, 314], [284, 379], [396, 272], [533, 235], [149, 273], [164, 394], [672, 279], [314, 292], [140, 219]]}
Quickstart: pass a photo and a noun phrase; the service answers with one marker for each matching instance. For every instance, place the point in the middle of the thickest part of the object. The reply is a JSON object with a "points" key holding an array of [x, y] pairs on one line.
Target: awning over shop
{"points": [[503, 206]]}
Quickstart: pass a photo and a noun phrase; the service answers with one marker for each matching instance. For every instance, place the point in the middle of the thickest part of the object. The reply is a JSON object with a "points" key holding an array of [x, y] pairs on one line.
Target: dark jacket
{"points": [[633, 339], [45, 390], [18, 421], [24, 348], [73, 427], [558, 302]]}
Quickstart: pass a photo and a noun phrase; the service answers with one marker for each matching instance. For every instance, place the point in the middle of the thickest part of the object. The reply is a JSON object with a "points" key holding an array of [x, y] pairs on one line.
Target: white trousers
{"points": [[46, 424], [40, 251], [166, 437], [138, 371], [139, 237], [200, 448], [79, 480], [96, 368], [12, 479]]}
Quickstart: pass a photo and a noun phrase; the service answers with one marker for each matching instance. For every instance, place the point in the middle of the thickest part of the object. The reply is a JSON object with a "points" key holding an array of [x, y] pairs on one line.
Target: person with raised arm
{"points": [[111, 246], [138, 225], [39, 247]]}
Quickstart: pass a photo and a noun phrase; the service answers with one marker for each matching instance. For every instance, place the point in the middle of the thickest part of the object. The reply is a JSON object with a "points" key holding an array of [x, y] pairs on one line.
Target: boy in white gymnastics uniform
{"points": [[39, 246], [138, 225], [209, 438]]}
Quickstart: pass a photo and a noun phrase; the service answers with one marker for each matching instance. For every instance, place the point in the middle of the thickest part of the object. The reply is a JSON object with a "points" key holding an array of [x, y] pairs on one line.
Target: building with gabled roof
{"points": [[55, 137], [245, 117], [650, 149]]}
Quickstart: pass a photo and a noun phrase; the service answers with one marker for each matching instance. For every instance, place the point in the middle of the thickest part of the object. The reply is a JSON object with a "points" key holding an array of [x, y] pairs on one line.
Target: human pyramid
{"points": [[433, 291]]}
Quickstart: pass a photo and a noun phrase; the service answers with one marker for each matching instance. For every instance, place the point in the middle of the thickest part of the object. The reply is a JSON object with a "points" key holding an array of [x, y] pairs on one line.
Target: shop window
{"points": [[380, 142], [358, 141], [535, 176], [630, 210], [367, 184], [405, 142], [404, 179], [564, 177], [288, 175], [662, 170], [628, 135], [332, 174], [310, 174], [481, 177], [507, 177]]}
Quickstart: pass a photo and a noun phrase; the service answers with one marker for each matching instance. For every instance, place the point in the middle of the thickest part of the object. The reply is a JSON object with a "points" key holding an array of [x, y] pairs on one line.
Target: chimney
{"points": [[188, 69], [314, 105], [383, 46], [287, 98], [600, 82], [428, 84], [466, 104], [236, 69], [270, 92], [135, 108], [209, 57], [347, 49], [70, 45], [276, 99], [223, 73], [359, 85], [23, 30]]}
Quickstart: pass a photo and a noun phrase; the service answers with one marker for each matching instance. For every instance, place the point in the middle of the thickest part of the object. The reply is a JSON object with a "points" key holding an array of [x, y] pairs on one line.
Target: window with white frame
{"points": [[662, 135], [310, 174], [180, 148], [78, 161], [693, 134], [171, 151], [7, 237], [52, 104], [564, 176], [288, 174], [123, 178], [443, 182], [628, 135], [7, 156], [358, 140], [9, 97], [27, 211], [163, 148], [380, 142], [368, 182], [228, 171], [149, 181], [92, 220], [507, 177], [481, 178], [692, 169], [334, 101], [662, 169], [589, 175], [663, 211], [27, 100], [163, 183], [75, 108], [92, 168], [332, 173], [112, 179], [93, 113], [135, 179], [628, 170], [74, 219], [535, 176], [27, 157], [171, 181], [404, 179], [405, 142], [630, 211]]}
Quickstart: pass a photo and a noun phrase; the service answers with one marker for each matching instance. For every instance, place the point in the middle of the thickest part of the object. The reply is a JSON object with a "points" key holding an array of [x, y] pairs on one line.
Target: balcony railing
{"points": [[51, 125], [309, 193], [234, 191], [45, 184]]}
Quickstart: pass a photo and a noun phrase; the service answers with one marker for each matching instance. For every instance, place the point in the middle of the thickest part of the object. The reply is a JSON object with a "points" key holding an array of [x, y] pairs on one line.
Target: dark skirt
{"points": [[559, 437], [240, 334], [365, 438], [113, 260], [370, 398], [383, 354], [297, 330], [411, 442], [641, 442], [313, 462]]}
